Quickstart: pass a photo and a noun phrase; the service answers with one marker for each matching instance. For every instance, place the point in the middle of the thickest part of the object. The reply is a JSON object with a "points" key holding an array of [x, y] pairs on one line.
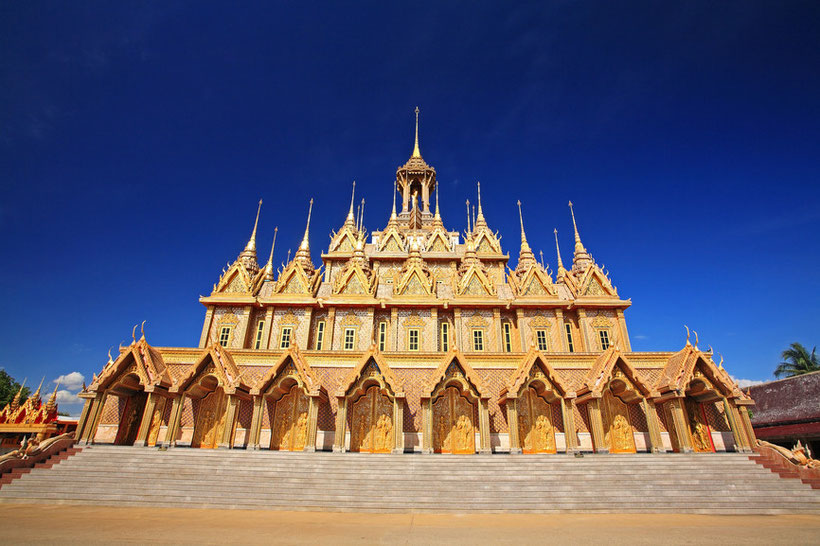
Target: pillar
{"points": [[230, 422], [747, 425], [96, 416], [512, 424], [499, 334], [145, 422], [398, 425], [570, 434], [341, 427], [330, 327], [206, 327], [427, 426], [393, 334], [457, 337], [256, 422], [484, 427], [680, 425], [655, 438], [268, 328], [597, 426], [78, 434], [519, 324], [626, 346], [171, 435], [582, 325], [306, 327], [559, 323], [313, 415]]}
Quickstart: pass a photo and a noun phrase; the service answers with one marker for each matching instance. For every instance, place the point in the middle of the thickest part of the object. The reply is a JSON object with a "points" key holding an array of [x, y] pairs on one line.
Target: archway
{"points": [[454, 422], [699, 393], [131, 399], [619, 436], [371, 422], [536, 424], [289, 423], [210, 404]]}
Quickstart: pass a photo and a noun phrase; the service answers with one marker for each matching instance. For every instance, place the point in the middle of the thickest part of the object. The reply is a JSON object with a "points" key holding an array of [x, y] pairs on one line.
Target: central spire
{"points": [[581, 257], [251, 246], [416, 152]]}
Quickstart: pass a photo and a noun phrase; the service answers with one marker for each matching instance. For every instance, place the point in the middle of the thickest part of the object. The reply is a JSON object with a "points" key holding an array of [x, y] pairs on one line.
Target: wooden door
{"points": [[535, 429], [371, 423], [130, 420], [156, 421], [619, 436], [290, 420], [453, 423], [210, 420], [699, 428]]}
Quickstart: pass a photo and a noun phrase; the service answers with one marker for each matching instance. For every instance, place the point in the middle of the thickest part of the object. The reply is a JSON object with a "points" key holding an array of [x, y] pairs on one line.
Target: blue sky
{"points": [[135, 142]]}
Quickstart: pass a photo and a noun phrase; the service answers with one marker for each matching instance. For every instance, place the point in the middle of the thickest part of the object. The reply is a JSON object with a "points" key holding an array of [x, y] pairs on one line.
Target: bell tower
{"points": [[416, 177]]}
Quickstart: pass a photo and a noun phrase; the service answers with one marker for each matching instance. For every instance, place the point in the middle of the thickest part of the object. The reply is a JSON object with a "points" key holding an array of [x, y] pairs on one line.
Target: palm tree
{"points": [[797, 361]]}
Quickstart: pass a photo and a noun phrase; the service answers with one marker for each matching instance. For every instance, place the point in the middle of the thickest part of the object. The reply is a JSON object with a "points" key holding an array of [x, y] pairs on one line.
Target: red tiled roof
{"points": [[787, 400]]}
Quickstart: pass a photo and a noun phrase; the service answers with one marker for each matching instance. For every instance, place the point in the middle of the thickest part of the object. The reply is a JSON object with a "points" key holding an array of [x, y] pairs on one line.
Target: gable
{"points": [[474, 286], [353, 286], [294, 284], [414, 285], [534, 287], [438, 244]]}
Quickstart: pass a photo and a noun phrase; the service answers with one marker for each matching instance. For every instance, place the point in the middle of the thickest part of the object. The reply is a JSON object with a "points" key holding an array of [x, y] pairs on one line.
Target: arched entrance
{"points": [[454, 422], [289, 426], [619, 436], [371, 422], [536, 426], [209, 412], [131, 399]]}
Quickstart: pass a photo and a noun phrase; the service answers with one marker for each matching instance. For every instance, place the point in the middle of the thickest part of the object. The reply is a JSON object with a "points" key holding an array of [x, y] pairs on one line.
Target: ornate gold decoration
{"points": [[453, 423], [290, 421], [618, 433], [699, 427], [535, 428], [371, 423], [210, 420]]}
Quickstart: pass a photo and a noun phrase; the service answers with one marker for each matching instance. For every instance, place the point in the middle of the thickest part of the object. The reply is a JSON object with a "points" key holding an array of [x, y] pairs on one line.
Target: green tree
{"points": [[797, 361], [9, 387]]}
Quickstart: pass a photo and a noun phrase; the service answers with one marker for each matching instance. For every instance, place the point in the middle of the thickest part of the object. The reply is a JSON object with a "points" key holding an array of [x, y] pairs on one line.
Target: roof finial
{"points": [[142, 329], [521, 219], [580, 258], [687, 335], [251, 246], [558, 251], [269, 265], [352, 195], [437, 212], [468, 217], [395, 190], [416, 152], [541, 253], [37, 392], [305, 243], [480, 221], [361, 216]]}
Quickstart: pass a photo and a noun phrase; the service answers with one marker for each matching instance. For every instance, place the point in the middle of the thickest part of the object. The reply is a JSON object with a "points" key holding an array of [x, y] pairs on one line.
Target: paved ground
{"points": [[79, 524]]}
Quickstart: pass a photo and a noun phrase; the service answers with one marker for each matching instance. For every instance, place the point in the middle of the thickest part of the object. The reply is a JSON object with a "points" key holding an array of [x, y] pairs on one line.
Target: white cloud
{"points": [[743, 383], [65, 397], [640, 336], [72, 381]]}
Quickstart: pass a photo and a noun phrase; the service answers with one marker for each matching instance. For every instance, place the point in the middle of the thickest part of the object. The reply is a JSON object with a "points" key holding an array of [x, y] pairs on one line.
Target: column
{"points": [[96, 416], [398, 424], [312, 424], [171, 435], [436, 328], [268, 328], [230, 422], [206, 327], [427, 426], [499, 341], [570, 435], [512, 423], [256, 423], [519, 324], [582, 325], [457, 327], [597, 426], [307, 322], [393, 334], [81, 423], [559, 323], [341, 426], [145, 422], [655, 438], [747, 425], [327, 345], [680, 425], [484, 427], [626, 346]]}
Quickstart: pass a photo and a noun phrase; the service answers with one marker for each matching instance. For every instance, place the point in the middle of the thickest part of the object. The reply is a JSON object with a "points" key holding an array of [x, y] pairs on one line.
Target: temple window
{"points": [[445, 336], [507, 337], [541, 340], [413, 339], [603, 336], [284, 339], [568, 330], [320, 335], [478, 340], [383, 336], [350, 339], [260, 328], [225, 336]]}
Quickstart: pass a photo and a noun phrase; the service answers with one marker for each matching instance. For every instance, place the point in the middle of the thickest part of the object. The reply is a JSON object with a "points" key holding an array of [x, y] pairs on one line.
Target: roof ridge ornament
{"points": [[269, 265], [251, 246], [416, 152], [581, 258]]}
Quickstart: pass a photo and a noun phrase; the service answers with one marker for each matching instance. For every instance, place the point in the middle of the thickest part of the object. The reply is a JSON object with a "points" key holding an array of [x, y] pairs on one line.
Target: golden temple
{"points": [[416, 338]]}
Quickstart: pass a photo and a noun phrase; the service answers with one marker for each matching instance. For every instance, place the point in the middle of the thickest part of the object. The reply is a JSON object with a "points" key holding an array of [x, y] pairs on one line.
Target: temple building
{"points": [[29, 418], [416, 338]]}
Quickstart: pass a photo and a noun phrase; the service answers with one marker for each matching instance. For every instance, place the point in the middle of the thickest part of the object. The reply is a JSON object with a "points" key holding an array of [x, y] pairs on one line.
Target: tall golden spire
{"points": [[51, 405], [558, 253], [526, 258], [303, 254], [36, 394], [416, 152], [480, 221], [15, 402], [251, 246], [350, 217], [581, 257], [468, 217], [361, 217], [269, 265], [395, 190], [521, 219]]}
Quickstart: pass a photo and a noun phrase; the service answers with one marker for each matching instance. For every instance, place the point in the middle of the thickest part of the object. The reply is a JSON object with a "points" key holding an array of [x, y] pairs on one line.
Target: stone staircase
{"points": [[671, 483]]}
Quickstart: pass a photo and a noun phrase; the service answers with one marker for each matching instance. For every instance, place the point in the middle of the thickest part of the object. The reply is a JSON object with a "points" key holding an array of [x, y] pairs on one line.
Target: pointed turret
{"points": [[51, 405], [269, 265], [303, 254], [581, 258], [437, 222], [561, 270], [36, 395], [350, 221], [248, 256], [416, 176], [416, 151], [526, 258], [15, 402]]}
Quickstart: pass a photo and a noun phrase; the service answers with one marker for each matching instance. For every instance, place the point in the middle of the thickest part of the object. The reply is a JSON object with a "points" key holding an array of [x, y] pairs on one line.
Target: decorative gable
{"points": [[234, 281]]}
